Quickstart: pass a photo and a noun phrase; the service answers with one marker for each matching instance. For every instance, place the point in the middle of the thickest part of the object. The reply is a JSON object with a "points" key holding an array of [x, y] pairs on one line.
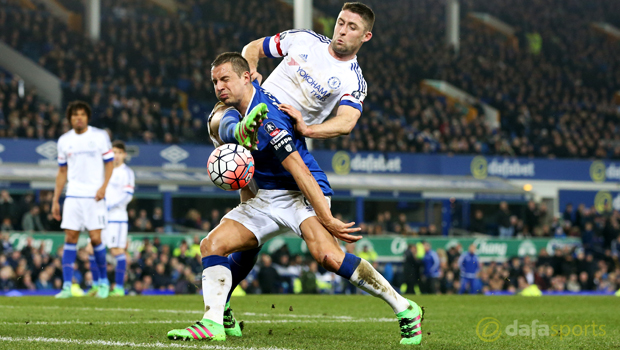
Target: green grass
{"points": [[315, 322]]}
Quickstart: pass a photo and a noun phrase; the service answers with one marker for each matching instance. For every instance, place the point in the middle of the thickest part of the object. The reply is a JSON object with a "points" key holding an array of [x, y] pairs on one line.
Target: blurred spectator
{"points": [[568, 214], [532, 218], [157, 220], [6, 279], [142, 223], [308, 278], [44, 281], [268, 277], [215, 217], [432, 269], [477, 223], [32, 221], [368, 253], [7, 226], [506, 228], [193, 219], [7, 205], [161, 280], [411, 269]]}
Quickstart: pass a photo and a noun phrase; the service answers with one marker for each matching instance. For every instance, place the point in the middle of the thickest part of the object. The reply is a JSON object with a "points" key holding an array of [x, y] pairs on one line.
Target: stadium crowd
{"points": [[159, 267], [31, 212], [547, 93]]}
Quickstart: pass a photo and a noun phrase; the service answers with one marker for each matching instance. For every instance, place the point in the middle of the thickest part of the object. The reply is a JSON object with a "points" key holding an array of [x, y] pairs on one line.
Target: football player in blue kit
{"points": [[292, 195]]}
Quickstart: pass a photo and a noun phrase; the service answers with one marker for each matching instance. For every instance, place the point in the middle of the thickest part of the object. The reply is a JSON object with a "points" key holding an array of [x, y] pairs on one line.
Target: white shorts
{"points": [[273, 212], [115, 234], [84, 213]]}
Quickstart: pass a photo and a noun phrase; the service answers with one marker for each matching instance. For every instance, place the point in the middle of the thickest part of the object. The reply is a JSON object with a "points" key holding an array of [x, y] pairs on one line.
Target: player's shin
{"points": [[363, 275], [100, 253], [121, 266], [68, 258], [241, 264], [216, 283], [94, 270]]}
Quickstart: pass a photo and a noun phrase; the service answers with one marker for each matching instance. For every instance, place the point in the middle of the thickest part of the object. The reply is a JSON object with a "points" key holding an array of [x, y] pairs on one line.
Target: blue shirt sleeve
{"points": [[227, 126], [274, 135]]}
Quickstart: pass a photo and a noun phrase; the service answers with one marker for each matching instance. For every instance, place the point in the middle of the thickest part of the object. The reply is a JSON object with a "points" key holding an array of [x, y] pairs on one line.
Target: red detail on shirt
{"points": [[277, 41], [362, 102]]}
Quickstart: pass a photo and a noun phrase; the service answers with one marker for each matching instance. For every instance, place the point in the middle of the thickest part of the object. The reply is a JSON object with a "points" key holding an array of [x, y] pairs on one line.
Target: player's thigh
{"points": [[115, 234], [95, 214], [228, 237], [72, 214], [255, 215], [322, 245]]}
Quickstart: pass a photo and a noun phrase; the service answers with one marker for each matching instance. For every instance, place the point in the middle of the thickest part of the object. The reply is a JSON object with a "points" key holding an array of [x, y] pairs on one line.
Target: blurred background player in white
{"points": [[114, 236], [85, 160], [317, 73]]}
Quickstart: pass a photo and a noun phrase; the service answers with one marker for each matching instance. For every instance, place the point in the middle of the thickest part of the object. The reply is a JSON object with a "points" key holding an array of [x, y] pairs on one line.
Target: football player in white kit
{"points": [[85, 163], [119, 194], [317, 73]]}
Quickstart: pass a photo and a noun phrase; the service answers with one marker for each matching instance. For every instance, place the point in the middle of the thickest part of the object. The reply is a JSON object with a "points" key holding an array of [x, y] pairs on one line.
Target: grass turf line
{"points": [[450, 320]]}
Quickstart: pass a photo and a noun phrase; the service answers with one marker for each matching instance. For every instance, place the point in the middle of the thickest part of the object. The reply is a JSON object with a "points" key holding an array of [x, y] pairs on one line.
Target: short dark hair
{"points": [[76, 106], [119, 144], [363, 10], [238, 62]]}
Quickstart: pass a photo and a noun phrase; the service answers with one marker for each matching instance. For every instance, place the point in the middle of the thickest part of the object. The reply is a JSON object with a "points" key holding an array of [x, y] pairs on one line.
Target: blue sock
{"points": [[349, 264], [68, 258], [241, 263], [101, 263], [214, 260], [121, 266], [94, 270]]}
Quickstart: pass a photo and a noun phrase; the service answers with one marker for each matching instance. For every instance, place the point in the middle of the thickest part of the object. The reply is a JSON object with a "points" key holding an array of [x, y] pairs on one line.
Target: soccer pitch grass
{"points": [[309, 322]]}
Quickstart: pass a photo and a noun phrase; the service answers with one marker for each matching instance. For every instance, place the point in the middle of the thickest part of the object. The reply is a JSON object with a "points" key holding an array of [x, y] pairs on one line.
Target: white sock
{"points": [[371, 281], [216, 283]]}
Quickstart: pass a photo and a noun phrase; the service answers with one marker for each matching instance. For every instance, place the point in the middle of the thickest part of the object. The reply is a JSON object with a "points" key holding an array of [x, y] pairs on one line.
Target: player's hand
{"points": [[342, 231], [300, 124], [56, 210], [254, 75], [100, 194]]}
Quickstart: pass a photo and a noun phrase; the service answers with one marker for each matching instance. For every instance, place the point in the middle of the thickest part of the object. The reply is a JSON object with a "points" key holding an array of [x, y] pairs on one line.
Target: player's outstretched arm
{"points": [[342, 124], [312, 191], [252, 52], [243, 132], [61, 180]]}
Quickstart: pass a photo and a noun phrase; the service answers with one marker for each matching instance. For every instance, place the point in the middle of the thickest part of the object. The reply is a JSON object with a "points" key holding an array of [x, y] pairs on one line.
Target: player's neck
{"points": [[246, 100], [80, 132], [340, 57]]}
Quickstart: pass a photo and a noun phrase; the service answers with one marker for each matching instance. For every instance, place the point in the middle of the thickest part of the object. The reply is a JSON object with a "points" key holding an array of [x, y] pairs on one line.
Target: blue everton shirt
{"points": [[277, 140]]}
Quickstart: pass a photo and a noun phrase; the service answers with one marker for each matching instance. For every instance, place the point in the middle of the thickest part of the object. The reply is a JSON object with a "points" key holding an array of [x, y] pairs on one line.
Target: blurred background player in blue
{"points": [[469, 265]]}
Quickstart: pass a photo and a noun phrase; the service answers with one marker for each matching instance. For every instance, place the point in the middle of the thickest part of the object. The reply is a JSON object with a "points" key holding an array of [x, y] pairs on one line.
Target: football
{"points": [[231, 167]]}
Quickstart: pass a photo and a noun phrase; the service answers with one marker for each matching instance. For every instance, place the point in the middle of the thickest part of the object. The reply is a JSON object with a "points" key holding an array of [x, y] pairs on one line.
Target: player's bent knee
{"points": [[213, 245], [95, 237], [117, 251], [72, 236], [331, 261]]}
